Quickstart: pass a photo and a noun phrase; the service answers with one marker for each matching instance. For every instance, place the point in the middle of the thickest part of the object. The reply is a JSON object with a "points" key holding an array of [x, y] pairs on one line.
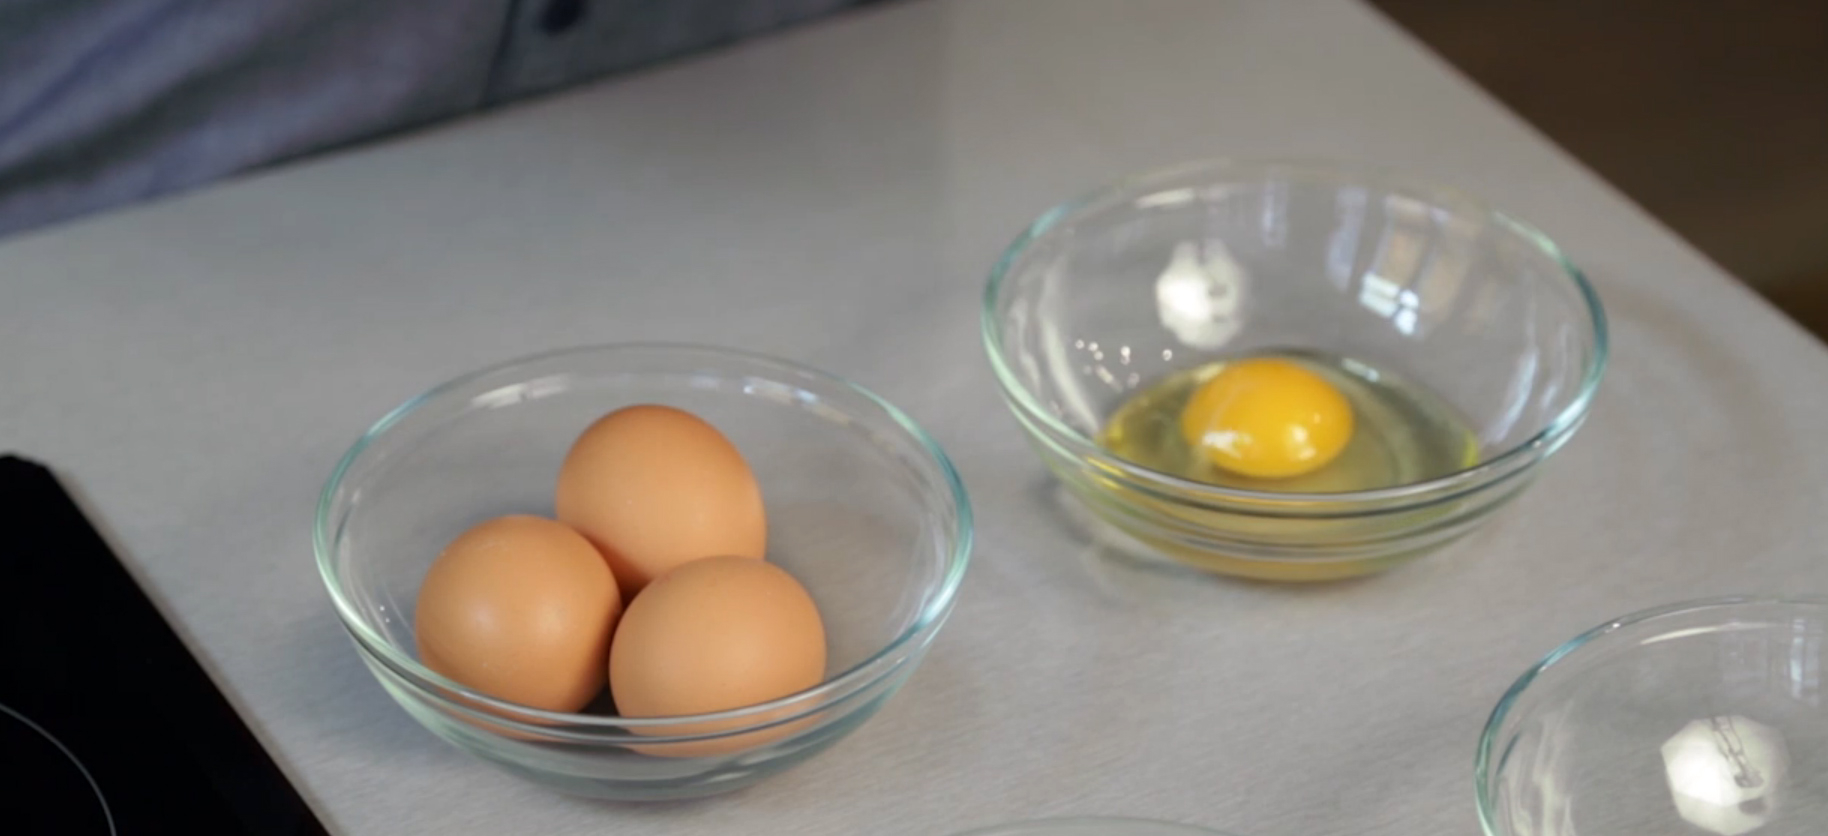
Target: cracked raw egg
{"points": [[1267, 418]]}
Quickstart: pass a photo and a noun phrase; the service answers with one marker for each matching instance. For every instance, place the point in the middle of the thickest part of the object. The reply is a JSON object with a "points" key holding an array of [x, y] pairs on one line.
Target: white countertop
{"points": [[835, 195]]}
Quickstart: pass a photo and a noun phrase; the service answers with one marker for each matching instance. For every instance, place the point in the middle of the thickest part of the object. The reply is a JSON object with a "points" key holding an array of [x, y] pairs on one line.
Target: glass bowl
{"points": [[863, 508], [1093, 826], [1174, 270], [1700, 718]]}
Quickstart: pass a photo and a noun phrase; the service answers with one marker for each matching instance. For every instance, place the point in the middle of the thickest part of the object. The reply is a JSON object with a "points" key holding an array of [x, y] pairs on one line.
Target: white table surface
{"points": [[835, 195]]}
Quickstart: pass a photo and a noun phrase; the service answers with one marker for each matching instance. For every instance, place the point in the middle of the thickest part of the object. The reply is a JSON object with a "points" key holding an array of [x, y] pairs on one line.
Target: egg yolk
{"points": [[1267, 418]]}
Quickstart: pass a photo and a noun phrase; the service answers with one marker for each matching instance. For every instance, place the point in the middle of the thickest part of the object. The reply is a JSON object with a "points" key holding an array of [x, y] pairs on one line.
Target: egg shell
{"points": [[713, 635], [655, 487], [520, 608]]}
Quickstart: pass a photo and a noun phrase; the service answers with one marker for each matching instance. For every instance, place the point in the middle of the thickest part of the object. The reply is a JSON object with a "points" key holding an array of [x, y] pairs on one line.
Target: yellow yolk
{"points": [[1267, 418]]}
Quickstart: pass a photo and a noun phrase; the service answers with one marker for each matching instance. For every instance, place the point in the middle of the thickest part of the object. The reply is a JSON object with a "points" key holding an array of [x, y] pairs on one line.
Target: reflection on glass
{"points": [[1070, 402], [1415, 269], [1516, 400], [1095, 366], [1342, 245], [1745, 659], [1805, 665], [1166, 199], [1272, 214], [1388, 286], [1198, 299], [1725, 772], [1389, 300], [531, 390], [1545, 803], [1449, 264]]}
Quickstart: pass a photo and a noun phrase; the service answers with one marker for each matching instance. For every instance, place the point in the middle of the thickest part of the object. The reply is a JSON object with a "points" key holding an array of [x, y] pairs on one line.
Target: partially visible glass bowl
{"points": [[1093, 826], [1176, 269], [1700, 718], [863, 508]]}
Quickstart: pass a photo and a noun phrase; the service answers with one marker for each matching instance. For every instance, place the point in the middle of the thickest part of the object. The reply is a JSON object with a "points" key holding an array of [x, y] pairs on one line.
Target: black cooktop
{"points": [[107, 724]]}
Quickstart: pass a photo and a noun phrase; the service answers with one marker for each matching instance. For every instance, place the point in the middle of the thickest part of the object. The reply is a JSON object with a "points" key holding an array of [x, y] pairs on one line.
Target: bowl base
{"points": [[1111, 531]]}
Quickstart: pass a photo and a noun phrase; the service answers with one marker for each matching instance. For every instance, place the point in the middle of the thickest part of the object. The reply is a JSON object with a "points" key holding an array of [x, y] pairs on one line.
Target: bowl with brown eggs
{"points": [[643, 571]]}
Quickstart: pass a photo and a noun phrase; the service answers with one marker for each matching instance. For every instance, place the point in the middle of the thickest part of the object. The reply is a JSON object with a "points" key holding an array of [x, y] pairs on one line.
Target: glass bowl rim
{"points": [[1552, 434], [1482, 762], [858, 677]]}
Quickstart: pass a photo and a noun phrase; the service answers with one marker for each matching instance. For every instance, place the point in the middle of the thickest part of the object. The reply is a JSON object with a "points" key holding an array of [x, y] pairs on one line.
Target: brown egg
{"points": [[520, 608], [654, 487], [712, 635]]}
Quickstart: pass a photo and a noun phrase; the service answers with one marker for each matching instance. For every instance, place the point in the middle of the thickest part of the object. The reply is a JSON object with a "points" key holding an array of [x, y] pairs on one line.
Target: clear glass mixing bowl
{"points": [[863, 508], [1178, 268], [1700, 718]]}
